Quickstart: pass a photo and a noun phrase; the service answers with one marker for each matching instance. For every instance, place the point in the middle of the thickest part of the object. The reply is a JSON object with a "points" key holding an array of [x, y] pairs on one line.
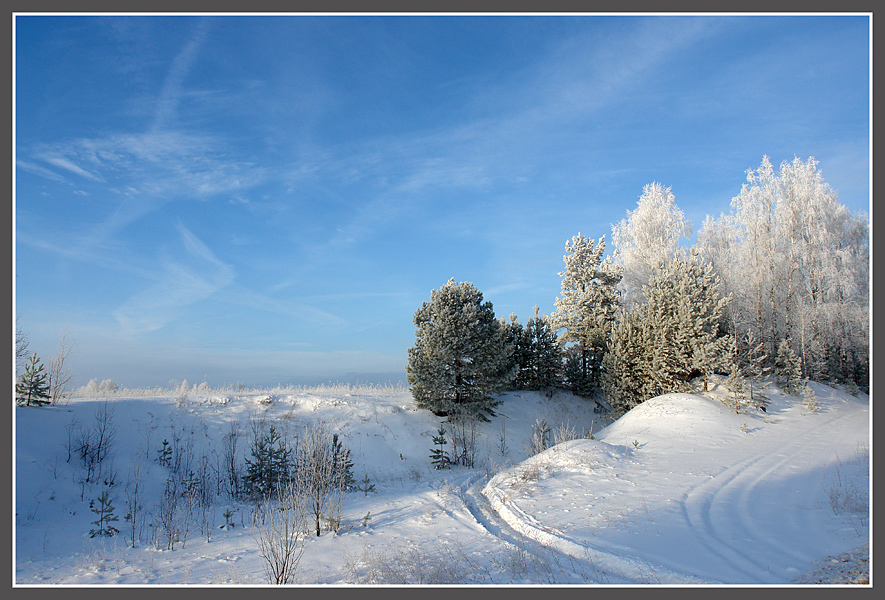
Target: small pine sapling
{"points": [[32, 388], [164, 454], [227, 514], [439, 458], [735, 385], [106, 516], [810, 399], [367, 486]]}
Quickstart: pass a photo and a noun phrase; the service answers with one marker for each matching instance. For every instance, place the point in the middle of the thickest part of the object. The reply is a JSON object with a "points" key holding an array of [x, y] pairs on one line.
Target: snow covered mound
{"points": [[682, 489], [675, 418]]}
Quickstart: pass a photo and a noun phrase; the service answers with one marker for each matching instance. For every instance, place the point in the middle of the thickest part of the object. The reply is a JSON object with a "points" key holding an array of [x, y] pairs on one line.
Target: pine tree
{"points": [[439, 458], [270, 465], [735, 385], [32, 388], [343, 464], [788, 369], [701, 312], [460, 357], [542, 356], [515, 337], [585, 310], [625, 366], [106, 516], [673, 336], [755, 366]]}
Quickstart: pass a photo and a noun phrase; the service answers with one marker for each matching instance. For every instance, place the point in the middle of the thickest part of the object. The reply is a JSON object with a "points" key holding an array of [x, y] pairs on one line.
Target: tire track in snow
{"points": [[508, 522], [734, 505], [697, 505]]}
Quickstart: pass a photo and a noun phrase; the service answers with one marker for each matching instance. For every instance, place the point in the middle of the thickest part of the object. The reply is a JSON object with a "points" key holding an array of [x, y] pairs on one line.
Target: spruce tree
{"points": [[270, 465], [586, 308], [460, 357], [343, 464], [32, 388], [788, 369], [543, 361]]}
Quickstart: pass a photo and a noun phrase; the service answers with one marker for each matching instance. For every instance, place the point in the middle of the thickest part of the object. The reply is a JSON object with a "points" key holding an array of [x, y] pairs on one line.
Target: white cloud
{"points": [[67, 165], [182, 282]]}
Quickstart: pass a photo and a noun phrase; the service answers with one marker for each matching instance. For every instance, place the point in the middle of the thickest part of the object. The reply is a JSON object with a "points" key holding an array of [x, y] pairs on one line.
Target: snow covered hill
{"points": [[680, 490]]}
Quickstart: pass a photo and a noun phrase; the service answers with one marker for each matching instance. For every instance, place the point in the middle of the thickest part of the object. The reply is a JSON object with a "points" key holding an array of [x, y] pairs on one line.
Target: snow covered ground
{"points": [[681, 490]]}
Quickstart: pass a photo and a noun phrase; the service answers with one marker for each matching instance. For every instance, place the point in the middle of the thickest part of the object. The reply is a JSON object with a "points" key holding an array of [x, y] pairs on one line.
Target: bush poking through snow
{"points": [[540, 439], [279, 527]]}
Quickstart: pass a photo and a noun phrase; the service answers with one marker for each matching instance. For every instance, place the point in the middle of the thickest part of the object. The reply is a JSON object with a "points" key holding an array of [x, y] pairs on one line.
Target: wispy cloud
{"points": [[64, 163], [171, 92], [38, 170], [191, 278]]}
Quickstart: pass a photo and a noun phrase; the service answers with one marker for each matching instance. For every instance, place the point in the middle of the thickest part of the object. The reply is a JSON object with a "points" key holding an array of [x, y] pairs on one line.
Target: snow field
{"points": [[681, 490]]}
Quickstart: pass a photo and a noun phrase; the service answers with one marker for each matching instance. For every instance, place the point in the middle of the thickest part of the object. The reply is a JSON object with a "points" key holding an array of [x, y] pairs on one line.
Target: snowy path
{"points": [[741, 504]]}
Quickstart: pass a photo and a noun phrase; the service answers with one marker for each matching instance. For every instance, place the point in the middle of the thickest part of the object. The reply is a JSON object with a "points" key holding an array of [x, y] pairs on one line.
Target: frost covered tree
{"points": [[647, 239], [625, 376], [754, 364], [797, 263], [460, 357], [673, 336], [788, 369], [21, 348], [585, 310], [32, 388], [700, 311], [59, 376]]}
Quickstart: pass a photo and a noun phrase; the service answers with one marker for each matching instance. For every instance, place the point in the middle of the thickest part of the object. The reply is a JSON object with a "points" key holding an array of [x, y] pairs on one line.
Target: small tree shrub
{"points": [[439, 458], [106, 516]]}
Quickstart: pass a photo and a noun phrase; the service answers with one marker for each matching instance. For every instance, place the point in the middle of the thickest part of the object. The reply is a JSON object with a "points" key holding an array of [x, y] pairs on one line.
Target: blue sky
{"points": [[269, 199]]}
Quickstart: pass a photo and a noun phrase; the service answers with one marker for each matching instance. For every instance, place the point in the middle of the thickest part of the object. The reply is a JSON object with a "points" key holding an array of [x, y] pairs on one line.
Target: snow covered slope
{"points": [[680, 490], [683, 490]]}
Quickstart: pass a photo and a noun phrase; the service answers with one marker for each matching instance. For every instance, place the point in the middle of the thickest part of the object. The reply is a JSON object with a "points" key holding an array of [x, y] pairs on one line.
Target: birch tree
{"points": [[647, 238]]}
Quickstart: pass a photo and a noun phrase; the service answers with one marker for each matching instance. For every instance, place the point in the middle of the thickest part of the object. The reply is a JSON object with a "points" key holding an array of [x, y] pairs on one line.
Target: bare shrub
{"points": [[540, 439], [279, 527], [465, 434], [315, 475], [59, 376], [564, 433]]}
